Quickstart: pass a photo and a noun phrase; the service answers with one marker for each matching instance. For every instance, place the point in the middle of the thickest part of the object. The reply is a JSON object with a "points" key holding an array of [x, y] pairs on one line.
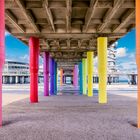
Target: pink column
{"points": [[46, 73], [2, 52], [34, 59], [75, 76]]}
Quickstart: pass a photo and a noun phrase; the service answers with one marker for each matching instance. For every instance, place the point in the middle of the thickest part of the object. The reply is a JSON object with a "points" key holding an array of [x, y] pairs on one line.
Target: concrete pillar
{"points": [[81, 77], [90, 73], [23, 80], [11, 80], [52, 78], [46, 73], [61, 77], [16, 79], [84, 68], [102, 69], [2, 48], [3, 80], [8, 79], [65, 79], [34, 59], [75, 74]]}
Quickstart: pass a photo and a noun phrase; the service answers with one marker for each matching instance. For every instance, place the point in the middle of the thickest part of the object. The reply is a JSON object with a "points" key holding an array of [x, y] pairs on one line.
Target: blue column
{"points": [[55, 69], [52, 76], [80, 78]]}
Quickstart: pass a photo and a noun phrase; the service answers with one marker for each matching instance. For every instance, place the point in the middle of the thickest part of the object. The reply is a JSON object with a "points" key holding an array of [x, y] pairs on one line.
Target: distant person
{"points": [[109, 80], [71, 82]]}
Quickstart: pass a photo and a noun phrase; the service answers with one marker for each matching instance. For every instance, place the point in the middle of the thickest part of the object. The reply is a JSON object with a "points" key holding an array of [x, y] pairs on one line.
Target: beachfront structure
{"points": [[18, 73], [70, 31]]}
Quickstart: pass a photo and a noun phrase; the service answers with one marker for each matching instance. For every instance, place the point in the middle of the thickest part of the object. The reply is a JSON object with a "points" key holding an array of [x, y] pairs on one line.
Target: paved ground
{"points": [[71, 117]]}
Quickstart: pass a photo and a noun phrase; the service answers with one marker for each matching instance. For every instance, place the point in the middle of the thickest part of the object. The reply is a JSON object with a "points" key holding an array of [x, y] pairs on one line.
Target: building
{"points": [[113, 77], [112, 71], [17, 73]]}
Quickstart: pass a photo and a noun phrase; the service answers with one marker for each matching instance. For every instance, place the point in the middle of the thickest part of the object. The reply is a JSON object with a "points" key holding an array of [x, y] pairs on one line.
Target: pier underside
{"points": [[67, 28], [69, 34]]}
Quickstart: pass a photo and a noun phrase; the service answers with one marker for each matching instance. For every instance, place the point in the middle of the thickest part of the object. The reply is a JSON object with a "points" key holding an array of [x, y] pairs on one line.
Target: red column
{"points": [[2, 53], [34, 59], [138, 56]]}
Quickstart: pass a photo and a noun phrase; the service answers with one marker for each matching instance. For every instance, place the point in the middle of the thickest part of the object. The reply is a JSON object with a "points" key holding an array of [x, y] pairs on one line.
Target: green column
{"points": [[80, 78]]}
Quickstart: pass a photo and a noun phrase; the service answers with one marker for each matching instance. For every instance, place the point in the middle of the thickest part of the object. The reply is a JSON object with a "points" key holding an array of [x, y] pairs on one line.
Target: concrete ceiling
{"points": [[69, 28]]}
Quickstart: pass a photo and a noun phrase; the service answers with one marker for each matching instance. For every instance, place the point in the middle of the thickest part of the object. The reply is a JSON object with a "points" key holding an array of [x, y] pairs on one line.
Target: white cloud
{"points": [[121, 52], [25, 58], [132, 56], [127, 67], [114, 44], [7, 33]]}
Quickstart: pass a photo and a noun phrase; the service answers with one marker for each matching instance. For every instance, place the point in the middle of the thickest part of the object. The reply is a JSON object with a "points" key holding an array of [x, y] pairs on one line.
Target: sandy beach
{"points": [[13, 93], [10, 98], [69, 116]]}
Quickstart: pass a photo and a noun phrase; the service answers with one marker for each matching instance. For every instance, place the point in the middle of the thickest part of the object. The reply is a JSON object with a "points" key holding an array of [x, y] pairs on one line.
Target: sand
{"points": [[8, 98], [71, 117]]}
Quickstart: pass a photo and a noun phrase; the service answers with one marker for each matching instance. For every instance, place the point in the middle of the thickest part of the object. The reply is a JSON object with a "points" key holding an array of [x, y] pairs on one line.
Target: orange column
{"points": [[138, 56], [61, 77], [2, 50]]}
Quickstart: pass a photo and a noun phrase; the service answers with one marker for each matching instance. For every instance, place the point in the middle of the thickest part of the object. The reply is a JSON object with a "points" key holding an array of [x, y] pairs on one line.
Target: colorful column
{"points": [[138, 58], [80, 78], [61, 77], [52, 76], [90, 73], [34, 59], [102, 69], [46, 73], [84, 71], [55, 76], [2, 50], [75, 74]]}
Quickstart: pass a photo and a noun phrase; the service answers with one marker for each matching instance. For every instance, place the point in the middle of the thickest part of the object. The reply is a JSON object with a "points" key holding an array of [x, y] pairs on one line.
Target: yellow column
{"points": [[102, 69], [90, 73]]}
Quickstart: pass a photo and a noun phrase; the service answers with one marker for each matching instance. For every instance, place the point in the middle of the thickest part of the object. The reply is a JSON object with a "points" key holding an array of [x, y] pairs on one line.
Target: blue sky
{"points": [[16, 50], [126, 51]]}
